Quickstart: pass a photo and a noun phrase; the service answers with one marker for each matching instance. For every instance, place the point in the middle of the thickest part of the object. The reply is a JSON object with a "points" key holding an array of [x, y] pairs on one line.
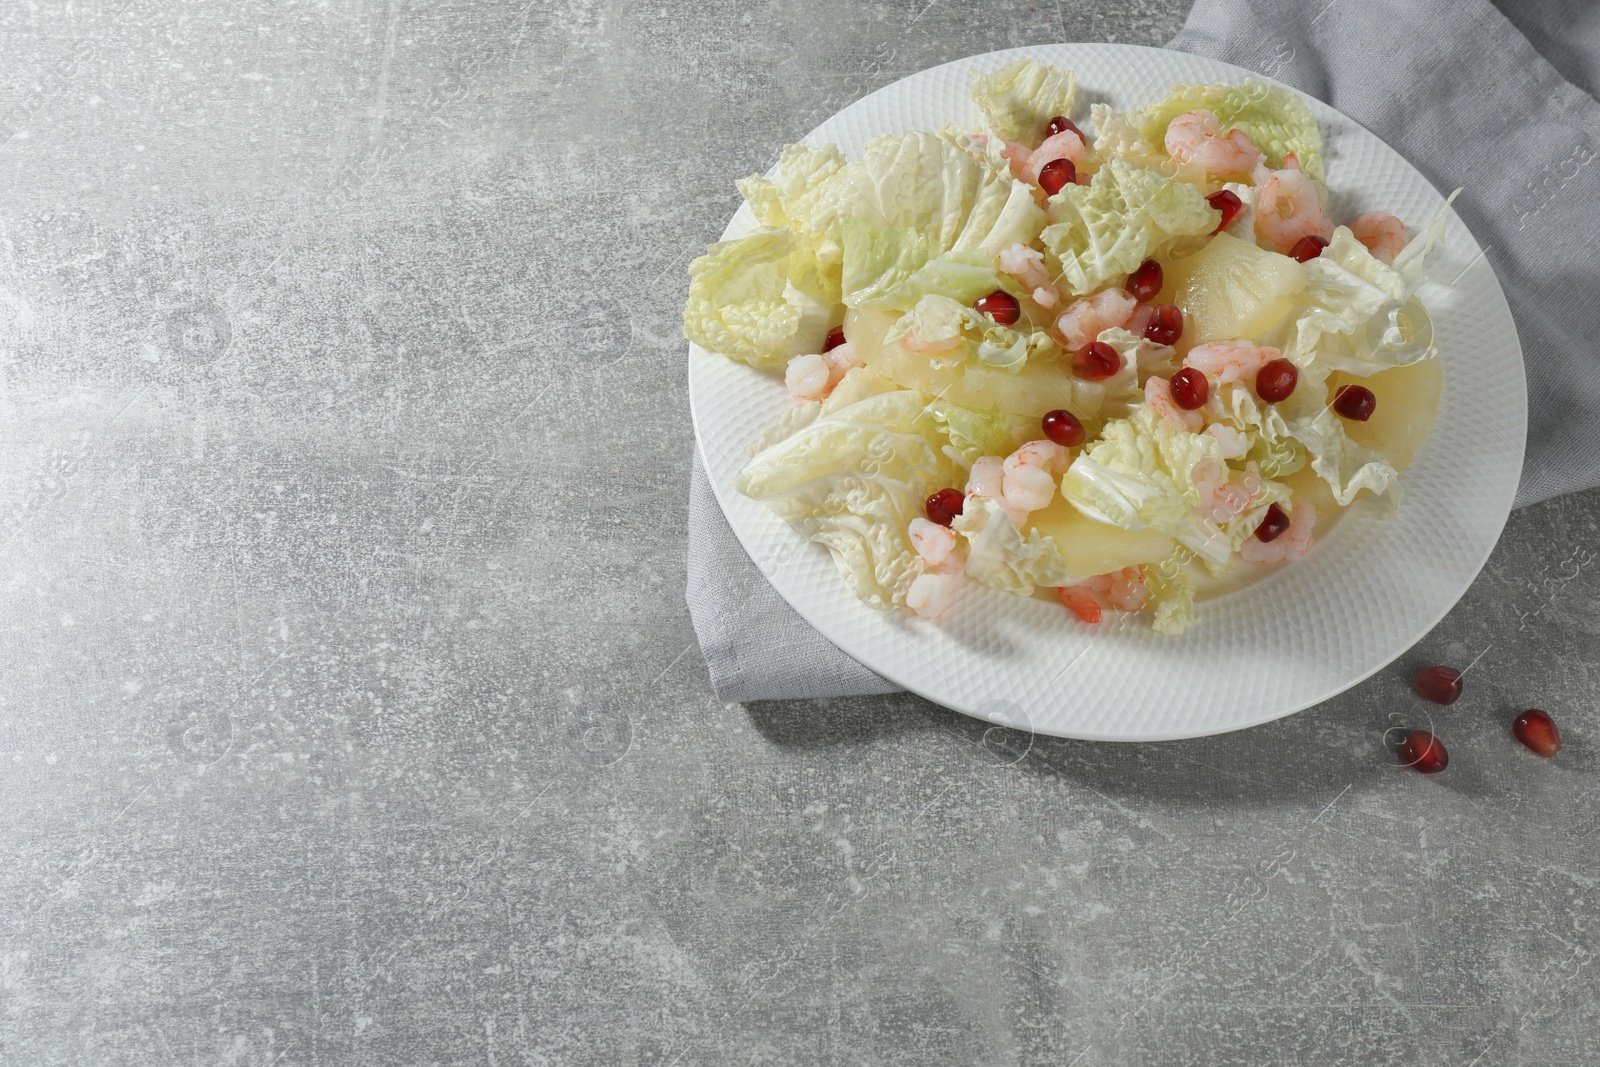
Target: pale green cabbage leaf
{"points": [[1141, 473], [1121, 218], [875, 266], [853, 477], [1117, 136], [1171, 594], [1139, 359], [974, 433], [1271, 447], [1019, 100], [937, 317], [999, 556], [786, 199], [759, 299], [1346, 466], [1275, 119], [916, 180]]}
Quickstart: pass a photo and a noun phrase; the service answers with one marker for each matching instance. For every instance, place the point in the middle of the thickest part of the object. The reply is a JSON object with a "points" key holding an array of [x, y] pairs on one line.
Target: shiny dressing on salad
{"points": [[1129, 370], [1407, 407]]}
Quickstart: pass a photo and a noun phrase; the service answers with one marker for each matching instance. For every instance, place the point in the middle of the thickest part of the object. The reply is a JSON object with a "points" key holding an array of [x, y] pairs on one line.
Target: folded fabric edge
{"points": [[755, 645]]}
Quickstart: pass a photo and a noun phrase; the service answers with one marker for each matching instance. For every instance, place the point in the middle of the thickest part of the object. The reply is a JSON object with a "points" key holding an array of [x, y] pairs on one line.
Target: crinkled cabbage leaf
{"points": [[759, 299], [1275, 119], [853, 477], [1019, 100], [1121, 218]]}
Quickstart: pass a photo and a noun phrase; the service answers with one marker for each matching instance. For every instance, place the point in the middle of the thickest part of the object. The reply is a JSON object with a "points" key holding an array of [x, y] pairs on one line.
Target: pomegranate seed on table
{"points": [[1276, 380], [1535, 729], [1440, 684], [1096, 361], [1060, 124], [1423, 752], [943, 507], [1189, 388], [1226, 201], [1355, 402], [1000, 306], [1308, 248], [834, 340], [1145, 281], [1056, 175], [1273, 524], [1166, 325], [1063, 427]]}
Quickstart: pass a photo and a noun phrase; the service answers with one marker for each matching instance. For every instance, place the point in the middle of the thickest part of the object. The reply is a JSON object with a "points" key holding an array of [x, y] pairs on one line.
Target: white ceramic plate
{"points": [[1369, 589]]}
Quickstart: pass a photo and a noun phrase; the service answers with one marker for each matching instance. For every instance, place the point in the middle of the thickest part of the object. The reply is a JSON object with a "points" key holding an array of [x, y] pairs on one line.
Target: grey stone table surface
{"points": [[349, 706]]}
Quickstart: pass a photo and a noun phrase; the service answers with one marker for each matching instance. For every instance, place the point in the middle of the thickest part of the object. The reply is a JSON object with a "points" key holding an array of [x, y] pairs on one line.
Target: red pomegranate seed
{"points": [[1063, 427], [1166, 324], [1226, 201], [1145, 282], [1424, 752], [1056, 175], [1308, 248], [1276, 380], [1189, 388], [1273, 523], [1000, 306], [1061, 124], [943, 507], [835, 339], [1355, 402], [1537, 730], [1440, 684], [1095, 361]]}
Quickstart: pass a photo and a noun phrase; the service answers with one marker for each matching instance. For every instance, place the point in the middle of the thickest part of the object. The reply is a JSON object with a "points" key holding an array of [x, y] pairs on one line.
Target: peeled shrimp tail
{"points": [[1383, 234]]}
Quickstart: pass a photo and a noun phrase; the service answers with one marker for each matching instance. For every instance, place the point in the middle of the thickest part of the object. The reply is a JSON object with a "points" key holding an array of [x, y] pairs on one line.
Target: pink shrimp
{"points": [[1128, 591], [986, 480], [1085, 317], [1013, 152], [1158, 394], [813, 377], [934, 543], [912, 343], [1289, 545], [807, 377], [1080, 602], [1288, 206], [1221, 500], [1140, 319], [1229, 361], [1027, 266], [1064, 145], [841, 360], [1196, 137], [1016, 153], [1208, 476], [1382, 233], [932, 592], [1029, 474], [1124, 590]]}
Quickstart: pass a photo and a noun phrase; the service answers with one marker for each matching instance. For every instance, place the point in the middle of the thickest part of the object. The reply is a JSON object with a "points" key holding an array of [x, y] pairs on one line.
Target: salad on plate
{"points": [[1128, 366]]}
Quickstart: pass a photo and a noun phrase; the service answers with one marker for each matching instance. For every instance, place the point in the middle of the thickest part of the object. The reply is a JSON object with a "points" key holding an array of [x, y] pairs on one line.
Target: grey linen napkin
{"points": [[1500, 106]]}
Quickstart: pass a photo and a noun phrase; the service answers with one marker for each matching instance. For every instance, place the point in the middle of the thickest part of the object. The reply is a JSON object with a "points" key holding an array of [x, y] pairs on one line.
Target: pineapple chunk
{"points": [[1231, 289], [1035, 389], [1089, 547], [1408, 405]]}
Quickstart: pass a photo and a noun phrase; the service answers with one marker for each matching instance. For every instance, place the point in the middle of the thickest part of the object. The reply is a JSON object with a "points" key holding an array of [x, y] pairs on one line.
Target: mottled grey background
{"points": [[351, 711]]}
